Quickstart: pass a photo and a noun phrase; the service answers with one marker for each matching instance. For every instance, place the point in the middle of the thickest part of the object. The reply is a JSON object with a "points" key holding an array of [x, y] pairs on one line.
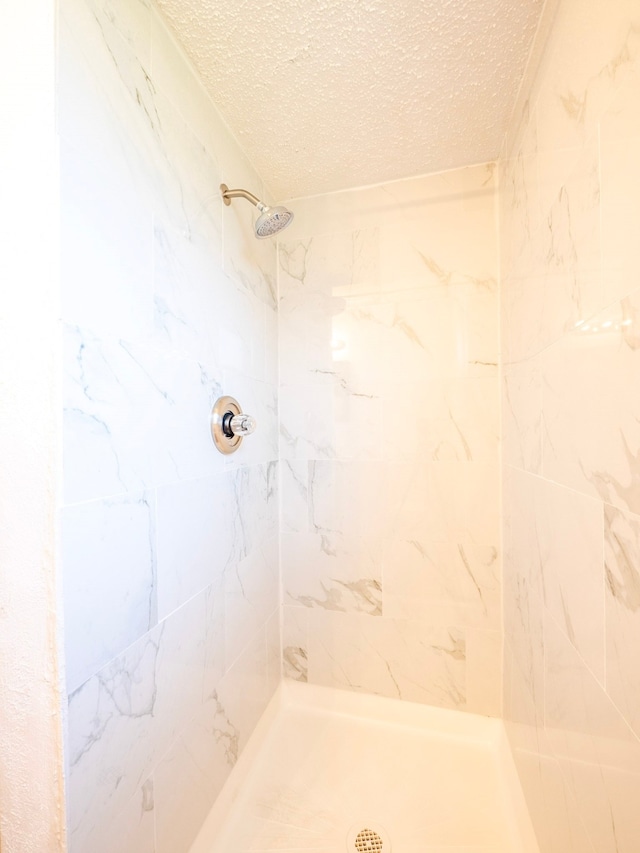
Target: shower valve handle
{"points": [[238, 424], [229, 424]]}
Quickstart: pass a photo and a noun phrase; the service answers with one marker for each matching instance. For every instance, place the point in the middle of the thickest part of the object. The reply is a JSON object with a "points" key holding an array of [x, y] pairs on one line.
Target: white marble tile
{"points": [[273, 631], [130, 21], [242, 331], [387, 657], [335, 326], [269, 357], [295, 643], [195, 539], [521, 219], [551, 246], [242, 695], [426, 250], [331, 421], [110, 292], [121, 719], [590, 51], [442, 502], [188, 288], [550, 801], [570, 536], [215, 660], [521, 714], [183, 799], [591, 418], [207, 526], [570, 203], [348, 498], [132, 831], [620, 118], [622, 569], [104, 87], [449, 330], [171, 168], [213, 742], [188, 180], [523, 583], [523, 316], [251, 590], [598, 752], [326, 338], [567, 189], [113, 731], [255, 500], [109, 107], [484, 671], [442, 583], [294, 488], [110, 585], [332, 571], [620, 176], [342, 263], [134, 417], [190, 776], [523, 726], [442, 420], [552, 278], [180, 668], [522, 416]]}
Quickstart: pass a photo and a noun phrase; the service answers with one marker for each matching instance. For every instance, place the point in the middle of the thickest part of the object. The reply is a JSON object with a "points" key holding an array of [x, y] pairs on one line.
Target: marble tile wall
{"points": [[389, 420], [570, 264], [170, 555]]}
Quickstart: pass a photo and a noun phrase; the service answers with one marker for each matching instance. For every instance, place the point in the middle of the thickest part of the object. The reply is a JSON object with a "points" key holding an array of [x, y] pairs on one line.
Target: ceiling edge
{"points": [[418, 177]]}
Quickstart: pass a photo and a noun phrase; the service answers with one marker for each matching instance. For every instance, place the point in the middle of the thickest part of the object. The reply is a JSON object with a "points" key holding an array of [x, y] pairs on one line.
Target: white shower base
{"points": [[324, 763]]}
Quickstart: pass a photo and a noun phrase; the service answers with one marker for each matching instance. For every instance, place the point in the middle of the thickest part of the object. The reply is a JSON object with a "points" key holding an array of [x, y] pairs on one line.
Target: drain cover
{"points": [[368, 837], [367, 840]]}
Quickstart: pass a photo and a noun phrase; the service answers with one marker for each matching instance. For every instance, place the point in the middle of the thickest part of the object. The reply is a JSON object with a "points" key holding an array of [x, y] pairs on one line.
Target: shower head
{"points": [[271, 219]]}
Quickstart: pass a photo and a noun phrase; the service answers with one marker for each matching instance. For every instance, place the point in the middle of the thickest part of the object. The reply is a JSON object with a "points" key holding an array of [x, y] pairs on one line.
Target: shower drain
{"points": [[366, 840], [368, 837]]}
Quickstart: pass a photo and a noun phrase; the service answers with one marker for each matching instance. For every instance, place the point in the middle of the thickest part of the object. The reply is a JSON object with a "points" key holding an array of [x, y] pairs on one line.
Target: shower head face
{"points": [[271, 221]]}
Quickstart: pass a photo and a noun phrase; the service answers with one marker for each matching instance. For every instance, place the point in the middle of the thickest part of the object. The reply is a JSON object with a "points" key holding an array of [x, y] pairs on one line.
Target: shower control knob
{"points": [[238, 425], [229, 424]]}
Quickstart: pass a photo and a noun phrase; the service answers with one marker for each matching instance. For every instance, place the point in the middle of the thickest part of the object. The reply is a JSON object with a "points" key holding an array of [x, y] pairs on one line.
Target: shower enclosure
{"points": [[440, 502]]}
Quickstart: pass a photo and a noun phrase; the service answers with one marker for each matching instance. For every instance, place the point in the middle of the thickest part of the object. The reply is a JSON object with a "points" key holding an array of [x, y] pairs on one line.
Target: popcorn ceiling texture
{"points": [[330, 94]]}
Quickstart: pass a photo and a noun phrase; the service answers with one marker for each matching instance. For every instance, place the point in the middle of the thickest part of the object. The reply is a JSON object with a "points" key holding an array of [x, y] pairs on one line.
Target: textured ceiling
{"points": [[329, 94]]}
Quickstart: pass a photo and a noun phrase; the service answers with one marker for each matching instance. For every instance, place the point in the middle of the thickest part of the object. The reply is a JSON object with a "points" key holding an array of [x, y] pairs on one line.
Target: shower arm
{"points": [[271, 219], [228, 194]]}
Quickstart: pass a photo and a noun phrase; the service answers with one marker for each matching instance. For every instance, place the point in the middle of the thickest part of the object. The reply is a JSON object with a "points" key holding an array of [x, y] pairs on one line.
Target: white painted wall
{"points": [[31, 775]]}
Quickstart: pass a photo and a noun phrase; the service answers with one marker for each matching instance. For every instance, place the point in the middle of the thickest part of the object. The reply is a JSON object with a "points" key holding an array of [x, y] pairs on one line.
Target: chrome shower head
{"points": [[271, 219]]}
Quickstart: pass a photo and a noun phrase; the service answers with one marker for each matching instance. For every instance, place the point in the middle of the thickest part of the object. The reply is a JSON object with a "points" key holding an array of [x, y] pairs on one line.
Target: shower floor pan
{"points": [[330, 771]]}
